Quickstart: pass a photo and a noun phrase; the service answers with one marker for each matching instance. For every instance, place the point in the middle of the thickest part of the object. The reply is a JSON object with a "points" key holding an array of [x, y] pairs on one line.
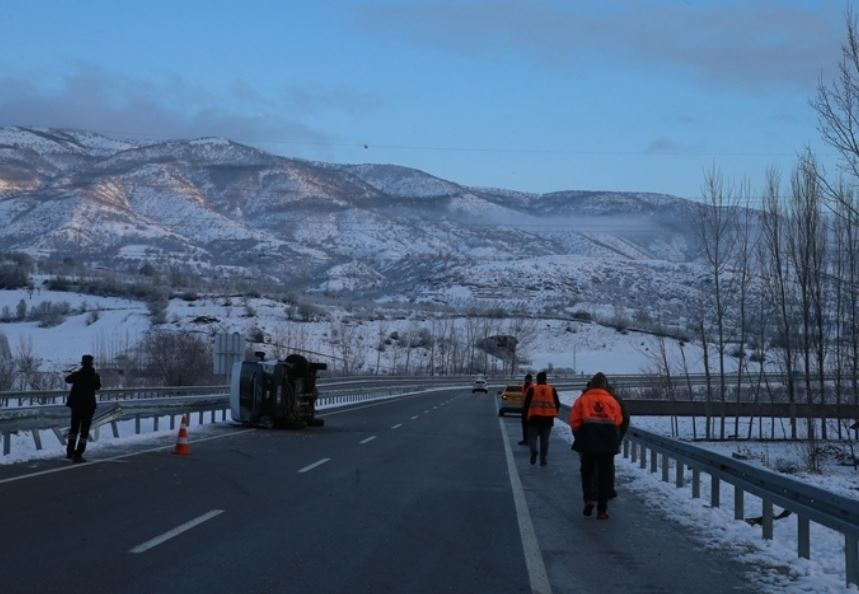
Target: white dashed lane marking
{"points": [[154, 542], [397, 426], [367, 440], [314, 465], [414, 417]]}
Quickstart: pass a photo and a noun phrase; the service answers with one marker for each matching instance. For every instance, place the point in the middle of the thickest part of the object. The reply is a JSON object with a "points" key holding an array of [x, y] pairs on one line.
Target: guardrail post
{"points": [[643, 461], [654, 459], [803, 537], [665, 464], [715, 491], [678, 480], [172, 422], [200, 420], [212, 419], [137, 424], [634, 452], [36, 439], [739, 502], [625, 449], [851, 559], [115, 428], [7, 443], [767, 520]]}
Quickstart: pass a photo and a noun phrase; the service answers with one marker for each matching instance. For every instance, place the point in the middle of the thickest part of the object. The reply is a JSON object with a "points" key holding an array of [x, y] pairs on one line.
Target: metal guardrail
{"points": [[809, 503], [51, 417], [32, 398], [573, 382]]}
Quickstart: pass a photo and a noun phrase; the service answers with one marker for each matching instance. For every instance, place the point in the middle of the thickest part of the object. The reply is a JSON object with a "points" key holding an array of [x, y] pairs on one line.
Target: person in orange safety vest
{"points": [[595, 419], [540, 407]]}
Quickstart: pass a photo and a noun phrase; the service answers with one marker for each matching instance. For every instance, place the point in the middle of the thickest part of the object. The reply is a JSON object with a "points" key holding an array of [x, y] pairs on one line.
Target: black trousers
{"points": [[597, 471], [79, 430], [542, 432], [524, 428]]}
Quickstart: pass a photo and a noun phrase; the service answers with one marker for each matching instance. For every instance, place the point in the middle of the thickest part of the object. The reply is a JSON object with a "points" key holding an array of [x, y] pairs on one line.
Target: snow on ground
{"points": [[779, 567], [583, 346], [120, 324]]}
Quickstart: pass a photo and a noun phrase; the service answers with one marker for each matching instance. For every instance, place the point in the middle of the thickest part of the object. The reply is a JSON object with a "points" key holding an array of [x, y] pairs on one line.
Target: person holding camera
{"points": [[85, 381]]}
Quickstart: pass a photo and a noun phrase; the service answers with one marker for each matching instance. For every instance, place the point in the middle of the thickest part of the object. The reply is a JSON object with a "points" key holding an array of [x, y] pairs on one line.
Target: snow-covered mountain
{"points": [[377, 231]]}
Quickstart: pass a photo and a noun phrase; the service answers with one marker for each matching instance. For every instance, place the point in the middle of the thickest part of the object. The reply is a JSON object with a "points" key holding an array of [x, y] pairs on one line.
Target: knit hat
{"points": [[599, 380], [87, 360], [541, 377]]}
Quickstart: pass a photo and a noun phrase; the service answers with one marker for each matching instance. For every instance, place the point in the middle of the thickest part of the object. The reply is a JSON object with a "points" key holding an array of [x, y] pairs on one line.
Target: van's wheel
{"points": [[316, 422]]}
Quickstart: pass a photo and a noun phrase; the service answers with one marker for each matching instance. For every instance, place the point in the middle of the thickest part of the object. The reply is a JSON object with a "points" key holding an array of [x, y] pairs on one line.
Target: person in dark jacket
{"points": [[85, 381], [525, 387], [540, 407], [595, 419], [624, 411]]}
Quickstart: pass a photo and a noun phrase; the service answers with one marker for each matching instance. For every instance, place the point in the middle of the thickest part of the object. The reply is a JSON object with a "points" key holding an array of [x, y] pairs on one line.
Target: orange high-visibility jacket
{"points": [[542, 401], [595, 419]]}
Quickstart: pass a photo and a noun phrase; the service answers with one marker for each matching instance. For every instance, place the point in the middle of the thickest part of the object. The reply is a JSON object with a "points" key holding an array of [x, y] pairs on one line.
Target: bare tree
{"points": [[779, 285], [716, 224], [178, 358], [746, 243], [837, 103], [7, 364], [807, 241]]}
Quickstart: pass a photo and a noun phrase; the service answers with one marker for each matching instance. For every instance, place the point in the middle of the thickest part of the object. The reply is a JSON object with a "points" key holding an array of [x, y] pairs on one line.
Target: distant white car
{"points": [[480, 386]]}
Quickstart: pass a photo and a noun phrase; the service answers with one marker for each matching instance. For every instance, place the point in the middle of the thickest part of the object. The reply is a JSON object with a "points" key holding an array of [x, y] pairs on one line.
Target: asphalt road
{"points": [[423, 494]]}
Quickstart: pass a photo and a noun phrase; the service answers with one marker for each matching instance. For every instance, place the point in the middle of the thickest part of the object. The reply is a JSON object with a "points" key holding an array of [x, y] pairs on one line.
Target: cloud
{"points": [[666, 146], [171, 106], [751, 46]]}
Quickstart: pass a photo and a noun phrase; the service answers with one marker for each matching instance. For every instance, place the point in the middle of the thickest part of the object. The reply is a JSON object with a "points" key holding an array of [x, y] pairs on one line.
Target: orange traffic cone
{"points": [[182, 448]]}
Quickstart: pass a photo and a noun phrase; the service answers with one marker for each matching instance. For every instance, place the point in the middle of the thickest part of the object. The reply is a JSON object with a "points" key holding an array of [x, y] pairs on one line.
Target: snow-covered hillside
{"points": [[379, 232]]}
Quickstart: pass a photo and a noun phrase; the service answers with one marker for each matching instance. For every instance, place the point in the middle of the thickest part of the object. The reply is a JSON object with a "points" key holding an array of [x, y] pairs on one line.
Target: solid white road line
{"points": [[92, 462], [397, 426], [426, 412], [368, 440], [314, 465], [149, 544], [533, 557], [414, 417]]}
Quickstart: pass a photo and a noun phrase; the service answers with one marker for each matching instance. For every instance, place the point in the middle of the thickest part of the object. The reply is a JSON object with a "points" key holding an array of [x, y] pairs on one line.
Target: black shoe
{"points": [[78, 459], [589, 508], [612, 494], [523, 442], [543, 462], [602, 516], [533, 459], [70, 454]]}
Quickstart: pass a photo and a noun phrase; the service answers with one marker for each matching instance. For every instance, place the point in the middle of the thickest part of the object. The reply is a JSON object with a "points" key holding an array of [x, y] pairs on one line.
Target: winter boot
{"points": [[533, 458], [70, 446], [589, 508], [79, 453]]}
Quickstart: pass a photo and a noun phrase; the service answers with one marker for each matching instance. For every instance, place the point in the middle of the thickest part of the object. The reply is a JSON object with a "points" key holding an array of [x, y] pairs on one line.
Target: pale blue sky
{"points": [[529, 95]]}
